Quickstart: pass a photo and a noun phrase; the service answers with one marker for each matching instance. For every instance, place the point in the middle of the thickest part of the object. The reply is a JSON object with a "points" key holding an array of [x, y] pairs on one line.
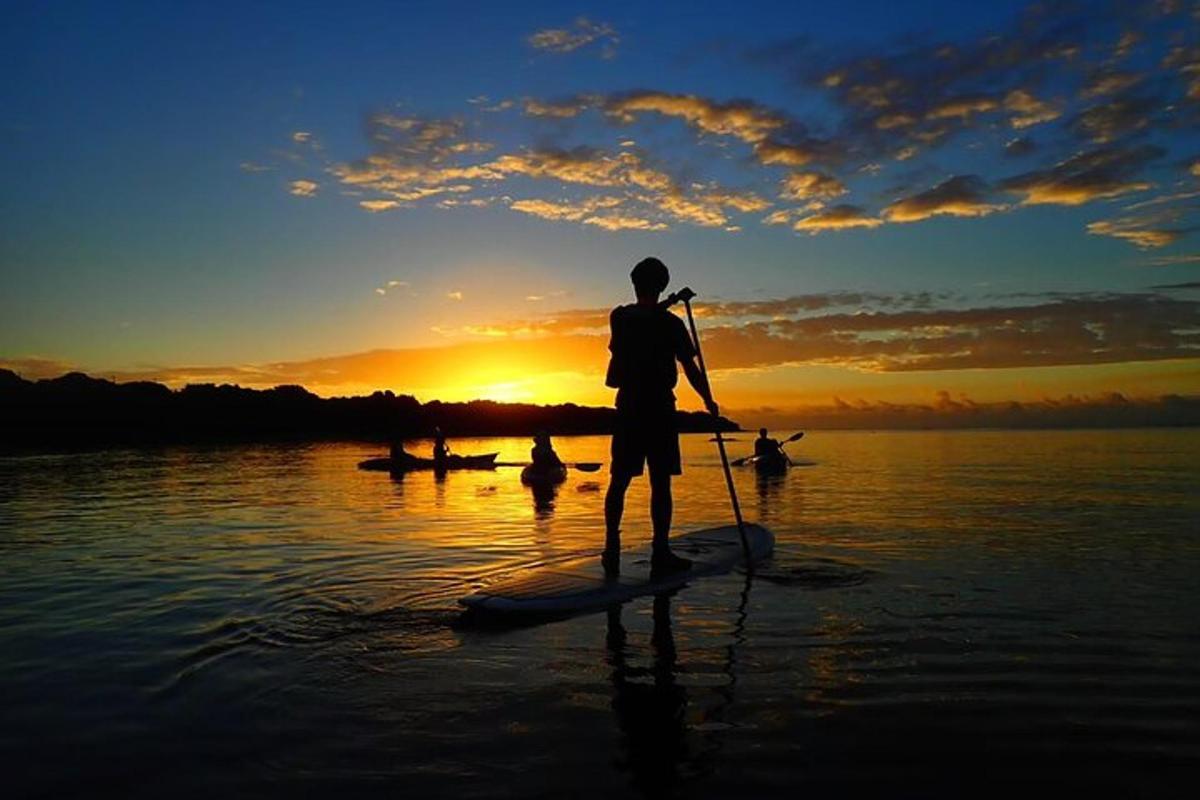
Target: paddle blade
{"points": [[795, 437], [588, 466]]}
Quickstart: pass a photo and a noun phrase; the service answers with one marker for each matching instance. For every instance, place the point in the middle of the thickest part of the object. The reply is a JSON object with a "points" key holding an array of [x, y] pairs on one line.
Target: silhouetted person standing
{"points": [[647, 341]]}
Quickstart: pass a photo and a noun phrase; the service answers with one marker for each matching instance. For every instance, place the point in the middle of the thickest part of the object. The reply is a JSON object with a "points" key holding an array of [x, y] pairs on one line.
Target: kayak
{"points": [[771, 465], [534, 475], [485, 461]]}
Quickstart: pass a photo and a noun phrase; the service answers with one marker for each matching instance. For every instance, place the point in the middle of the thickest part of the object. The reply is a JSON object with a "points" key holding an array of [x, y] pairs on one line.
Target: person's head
{"points": [[650, 277], [762, 432], [541, 437]]}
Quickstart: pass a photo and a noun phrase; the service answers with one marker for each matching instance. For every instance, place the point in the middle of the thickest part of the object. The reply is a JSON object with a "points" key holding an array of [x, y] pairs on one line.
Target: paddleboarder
{"points": [[646, 342]]}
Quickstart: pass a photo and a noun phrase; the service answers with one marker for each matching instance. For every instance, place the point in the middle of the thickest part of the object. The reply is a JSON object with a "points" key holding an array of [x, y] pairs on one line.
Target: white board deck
{"points": [[581, 585]]}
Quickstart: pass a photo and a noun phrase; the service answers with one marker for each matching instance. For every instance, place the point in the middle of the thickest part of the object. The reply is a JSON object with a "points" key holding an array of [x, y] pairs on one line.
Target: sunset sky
{"points": [[878, 202]]}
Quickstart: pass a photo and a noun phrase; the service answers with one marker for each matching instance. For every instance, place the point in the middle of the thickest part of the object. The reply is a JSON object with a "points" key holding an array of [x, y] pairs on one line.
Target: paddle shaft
{"points": [[733, 498]]}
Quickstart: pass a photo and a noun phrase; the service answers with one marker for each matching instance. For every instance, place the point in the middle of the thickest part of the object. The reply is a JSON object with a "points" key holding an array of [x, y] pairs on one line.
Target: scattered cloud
{"points": [[376, 206], [959, 196], [838, 217], [807, 185], [455, 295], [1174, 260], [1080, 77], [303, 188], [250, 166], [1093, 174], [1028, 110], [581, 33], [619, 222], [1136, 230], [568, 211]]}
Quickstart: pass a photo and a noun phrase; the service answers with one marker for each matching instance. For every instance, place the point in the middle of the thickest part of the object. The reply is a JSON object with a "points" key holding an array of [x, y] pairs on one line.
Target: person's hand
{"points": [[711, 405]]}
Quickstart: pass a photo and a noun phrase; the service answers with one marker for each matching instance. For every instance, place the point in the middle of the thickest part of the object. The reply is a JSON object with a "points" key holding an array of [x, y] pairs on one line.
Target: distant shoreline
{"points": [[75, 411]]}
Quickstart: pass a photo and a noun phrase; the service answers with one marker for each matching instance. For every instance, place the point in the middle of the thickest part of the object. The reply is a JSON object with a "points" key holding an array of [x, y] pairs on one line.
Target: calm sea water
{"points": [[946, 612]]}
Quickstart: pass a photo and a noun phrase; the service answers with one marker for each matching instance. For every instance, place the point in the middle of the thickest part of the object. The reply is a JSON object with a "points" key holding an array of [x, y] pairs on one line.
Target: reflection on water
{"points": [[943, 610]]}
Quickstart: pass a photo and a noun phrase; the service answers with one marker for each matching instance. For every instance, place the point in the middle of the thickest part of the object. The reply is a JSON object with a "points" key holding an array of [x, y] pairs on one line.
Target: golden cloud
{"points": [[807, 185], [960, 196], [303, 188], [837, 218]]}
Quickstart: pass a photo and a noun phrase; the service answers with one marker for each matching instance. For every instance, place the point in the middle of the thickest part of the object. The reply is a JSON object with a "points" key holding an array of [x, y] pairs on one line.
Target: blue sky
{"points": [[184, 185]]}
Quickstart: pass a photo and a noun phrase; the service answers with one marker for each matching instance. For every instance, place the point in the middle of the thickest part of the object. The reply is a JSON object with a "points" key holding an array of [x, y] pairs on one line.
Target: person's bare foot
{"points": [[610, 559], [666, 562]]}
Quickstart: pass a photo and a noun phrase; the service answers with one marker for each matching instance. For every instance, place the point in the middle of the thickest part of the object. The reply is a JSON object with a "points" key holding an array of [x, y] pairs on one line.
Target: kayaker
{"points": [[767, 448], [542, 455], [398, 456], [647, 341]]}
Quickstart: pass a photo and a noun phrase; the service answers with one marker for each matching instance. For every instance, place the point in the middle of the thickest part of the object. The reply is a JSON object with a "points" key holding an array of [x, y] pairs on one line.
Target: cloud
{"points": [[1109, 81], [302, 137], [1021, 146], [250, 166], [303, 188], [1136, 230], [568, 211], [1028, 110], [376, 206], [455, 295], [581, 34], [1116, 118], [618, 222], [1093, 174], [959, 196], [740, 119], [584, 165], [807, 185], [962, 108], [561, 109], [1174, 260], [390, 286], [835, 218]]}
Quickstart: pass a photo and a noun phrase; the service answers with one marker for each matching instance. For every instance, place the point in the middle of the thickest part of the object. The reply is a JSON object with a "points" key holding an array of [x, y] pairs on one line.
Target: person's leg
{"points": [[614, 507], [662, 559], [661, 507]]}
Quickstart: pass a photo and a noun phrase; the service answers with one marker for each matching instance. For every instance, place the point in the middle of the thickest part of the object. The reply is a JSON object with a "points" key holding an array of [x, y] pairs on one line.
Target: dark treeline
{"points": [[76, 409]]}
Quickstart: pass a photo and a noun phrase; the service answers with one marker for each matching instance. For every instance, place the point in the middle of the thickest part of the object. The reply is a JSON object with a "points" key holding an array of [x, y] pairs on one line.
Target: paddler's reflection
{"points": [[544, 496], [768, 486], [649, 704]]}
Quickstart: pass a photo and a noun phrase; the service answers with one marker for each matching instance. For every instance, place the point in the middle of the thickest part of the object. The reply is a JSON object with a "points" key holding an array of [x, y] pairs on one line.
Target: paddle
{"points": [[582, 466], [685, 294], [795, 437]]}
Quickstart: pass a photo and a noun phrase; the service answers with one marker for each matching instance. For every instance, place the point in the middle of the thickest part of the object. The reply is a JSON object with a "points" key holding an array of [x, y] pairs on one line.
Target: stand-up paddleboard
{"points": [[581, 585]]}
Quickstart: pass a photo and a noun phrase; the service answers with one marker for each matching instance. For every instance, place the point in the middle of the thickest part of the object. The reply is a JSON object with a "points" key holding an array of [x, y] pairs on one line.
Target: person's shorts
{"points": [[646, 436]]}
